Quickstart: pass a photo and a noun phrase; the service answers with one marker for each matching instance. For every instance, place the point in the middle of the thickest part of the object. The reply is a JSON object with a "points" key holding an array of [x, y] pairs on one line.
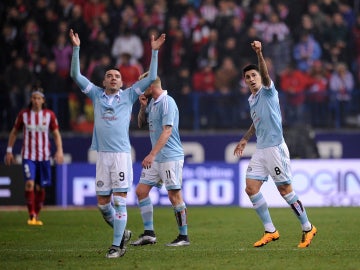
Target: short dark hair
{"points": [[250, 67]]}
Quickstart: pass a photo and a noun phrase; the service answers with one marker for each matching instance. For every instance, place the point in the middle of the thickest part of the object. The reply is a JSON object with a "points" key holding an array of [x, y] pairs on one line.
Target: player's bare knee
{"points": [[141, 192], [175, 197], [29, 185], [285, 189], [250, 190]]}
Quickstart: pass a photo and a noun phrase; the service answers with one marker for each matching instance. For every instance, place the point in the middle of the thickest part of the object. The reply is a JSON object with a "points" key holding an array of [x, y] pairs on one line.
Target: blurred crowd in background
{"points": [[312, 48]]}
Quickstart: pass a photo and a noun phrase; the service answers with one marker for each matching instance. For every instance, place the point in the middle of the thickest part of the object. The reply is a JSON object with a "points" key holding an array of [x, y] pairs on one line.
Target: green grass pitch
{"points": [[221, 238]]}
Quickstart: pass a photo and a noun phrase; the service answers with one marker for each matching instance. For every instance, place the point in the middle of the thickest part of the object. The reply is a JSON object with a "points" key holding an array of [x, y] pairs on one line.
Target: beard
{"points": [[113, 90]]}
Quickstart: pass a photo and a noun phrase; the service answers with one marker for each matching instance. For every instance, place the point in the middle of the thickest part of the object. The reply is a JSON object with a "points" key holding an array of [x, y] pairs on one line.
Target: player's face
{"points": [[37, 102], [112, 81], [253, 80]]}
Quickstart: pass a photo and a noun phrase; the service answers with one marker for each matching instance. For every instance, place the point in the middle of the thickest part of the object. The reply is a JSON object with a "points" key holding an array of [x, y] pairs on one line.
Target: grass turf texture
{"points": [[221, 238]]}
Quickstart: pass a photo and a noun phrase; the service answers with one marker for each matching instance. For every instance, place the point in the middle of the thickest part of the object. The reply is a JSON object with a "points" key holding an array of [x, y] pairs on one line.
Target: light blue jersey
{"points": [[164, 112], [266, 116], [112, 114]]}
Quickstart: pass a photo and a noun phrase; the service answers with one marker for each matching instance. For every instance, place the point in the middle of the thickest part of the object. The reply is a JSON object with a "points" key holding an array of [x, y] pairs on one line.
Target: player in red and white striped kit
{"points": [[36, 121]]}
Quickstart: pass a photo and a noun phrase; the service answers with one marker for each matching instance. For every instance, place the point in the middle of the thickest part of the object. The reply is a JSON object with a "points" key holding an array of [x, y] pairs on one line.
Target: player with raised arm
{"points": [[112, 114], [272, 155], [36, 121], [163, 165]]}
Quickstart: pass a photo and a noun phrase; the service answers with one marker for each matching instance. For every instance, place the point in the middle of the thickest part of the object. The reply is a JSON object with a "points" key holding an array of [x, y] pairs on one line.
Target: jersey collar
{"points": [[163, 94]]}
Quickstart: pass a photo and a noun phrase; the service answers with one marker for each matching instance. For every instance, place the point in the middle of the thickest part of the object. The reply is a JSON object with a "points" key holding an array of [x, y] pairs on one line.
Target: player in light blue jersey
{"points": [[112, 112], [164, 163], [272, 155]]}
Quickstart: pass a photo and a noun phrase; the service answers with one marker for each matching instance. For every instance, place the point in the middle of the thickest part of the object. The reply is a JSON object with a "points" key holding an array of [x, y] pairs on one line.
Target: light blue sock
{"points": [[261, 208], [293, 200], [108, 213], [120, 219], [181, 218], [147, 213]]}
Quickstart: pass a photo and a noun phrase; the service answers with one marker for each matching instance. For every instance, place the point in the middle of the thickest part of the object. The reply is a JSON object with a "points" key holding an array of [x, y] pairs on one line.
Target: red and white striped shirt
{"points": [[36, 127]]}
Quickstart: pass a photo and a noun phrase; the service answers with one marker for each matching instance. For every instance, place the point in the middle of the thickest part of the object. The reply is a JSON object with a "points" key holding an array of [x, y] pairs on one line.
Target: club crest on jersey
{"points": [[99, 183]]}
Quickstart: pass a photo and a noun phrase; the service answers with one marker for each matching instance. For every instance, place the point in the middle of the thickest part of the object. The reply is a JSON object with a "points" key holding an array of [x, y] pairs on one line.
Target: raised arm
{"points": [[239, 149], [257, 47], [155, 46], [141, 115], [80, 80]]}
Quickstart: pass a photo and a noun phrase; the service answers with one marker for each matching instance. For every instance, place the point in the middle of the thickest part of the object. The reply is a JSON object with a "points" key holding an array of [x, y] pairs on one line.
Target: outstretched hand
{"points": [[256, 45], [74, 37], [156, 43]]}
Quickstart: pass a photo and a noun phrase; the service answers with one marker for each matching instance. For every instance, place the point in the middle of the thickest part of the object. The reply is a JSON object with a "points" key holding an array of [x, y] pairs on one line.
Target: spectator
{"points": [[93, 9], [209, 54], [329, 7], [318, 18], [294, 84], [49, 28], [189, 21], [208, 10], [177, 53], [130, 71], [129, 19], [203, 80], [157, 15], [341, 87], [275, 30], [306, 51], [226, 84], [257, 18], [246, 53], [180, 81], [50, 79], [336, 38], [10, 44], [130, 43], [200, 36], [77, 23], [64, 9], [54, 84], [317, 96], [101, 45], [227, 76], [229, 49], [277, 38], [115, 9], [62, 52], [18, 80]]}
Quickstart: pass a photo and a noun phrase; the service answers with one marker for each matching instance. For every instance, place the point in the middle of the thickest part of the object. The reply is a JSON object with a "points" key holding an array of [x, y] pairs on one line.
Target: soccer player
{"points": [[272, 155], [112, 114], [36, 121], [164, 163]]}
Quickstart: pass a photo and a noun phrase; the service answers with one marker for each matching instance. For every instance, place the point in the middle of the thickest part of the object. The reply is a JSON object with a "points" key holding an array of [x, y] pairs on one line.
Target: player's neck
{"points": [[36, 109]]}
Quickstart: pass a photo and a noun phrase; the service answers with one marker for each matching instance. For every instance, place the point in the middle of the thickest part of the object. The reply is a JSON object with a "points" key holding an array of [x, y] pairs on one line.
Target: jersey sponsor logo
{"points": [[109, 115], [37, 128]]}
